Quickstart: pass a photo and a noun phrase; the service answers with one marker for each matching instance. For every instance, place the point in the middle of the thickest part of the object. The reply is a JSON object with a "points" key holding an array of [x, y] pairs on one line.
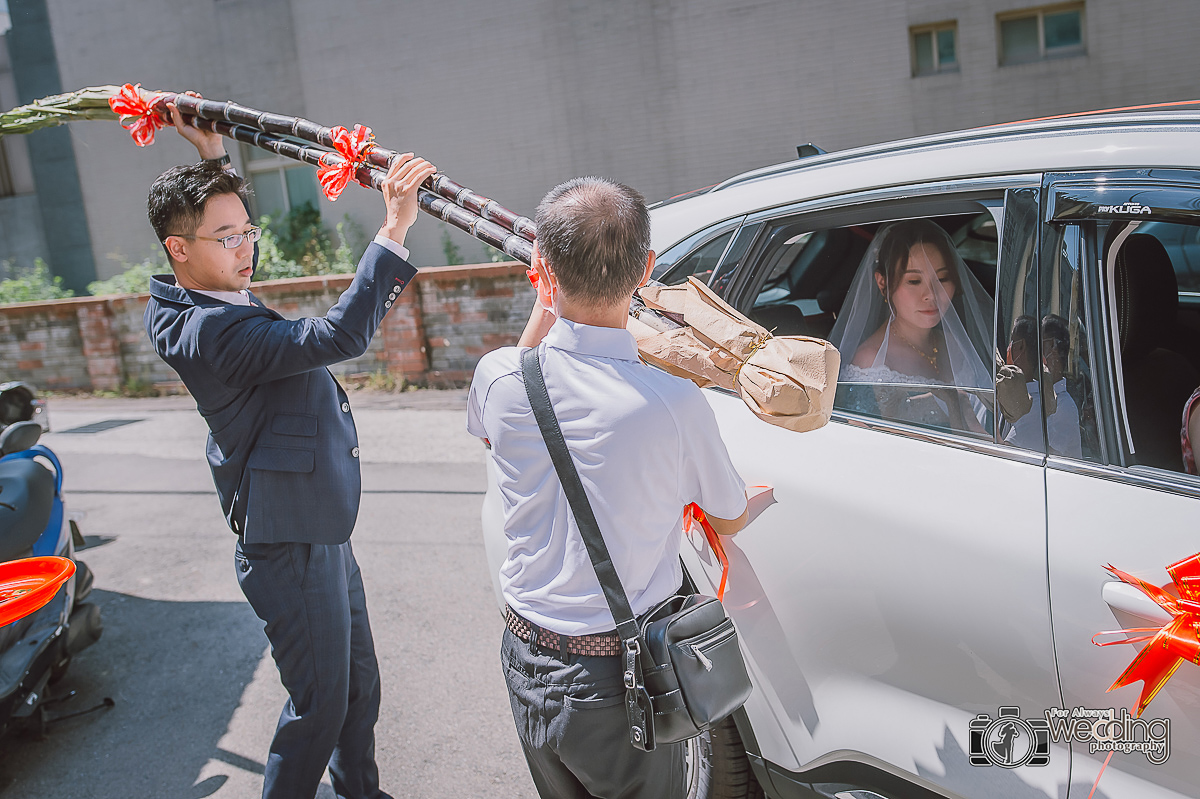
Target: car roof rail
{"points": [[1159, 114]]}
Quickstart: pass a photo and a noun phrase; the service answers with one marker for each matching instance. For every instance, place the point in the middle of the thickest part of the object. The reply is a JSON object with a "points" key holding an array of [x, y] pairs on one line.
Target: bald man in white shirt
{"points": [[645, 444]]}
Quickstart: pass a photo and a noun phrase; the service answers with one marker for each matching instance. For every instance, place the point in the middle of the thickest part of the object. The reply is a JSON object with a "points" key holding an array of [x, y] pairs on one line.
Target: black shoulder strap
{"points": [[637, 701], [539, 399]]}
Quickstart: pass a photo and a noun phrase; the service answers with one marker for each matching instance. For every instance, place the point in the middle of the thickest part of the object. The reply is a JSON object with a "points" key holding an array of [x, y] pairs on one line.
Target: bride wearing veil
{"points": [[913, 332]]}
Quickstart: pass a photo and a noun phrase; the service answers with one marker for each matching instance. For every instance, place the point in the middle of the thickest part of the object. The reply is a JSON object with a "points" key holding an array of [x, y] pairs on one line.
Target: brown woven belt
{"points": [[597, 644]]}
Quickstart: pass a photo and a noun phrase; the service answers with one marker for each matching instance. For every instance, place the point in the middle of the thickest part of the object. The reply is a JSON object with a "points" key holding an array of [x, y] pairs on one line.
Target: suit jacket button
{"points": [[354, 452], [345, 407], [387, 304]]}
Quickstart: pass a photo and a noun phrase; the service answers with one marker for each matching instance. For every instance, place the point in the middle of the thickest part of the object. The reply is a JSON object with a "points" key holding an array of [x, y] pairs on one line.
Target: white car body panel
{"points": [[1141, 531], [843, 592]]}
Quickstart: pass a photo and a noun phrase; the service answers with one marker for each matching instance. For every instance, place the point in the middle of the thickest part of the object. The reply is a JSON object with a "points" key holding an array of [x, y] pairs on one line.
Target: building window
{"points": [[934, 49], [1041, 33], [278, 184]]}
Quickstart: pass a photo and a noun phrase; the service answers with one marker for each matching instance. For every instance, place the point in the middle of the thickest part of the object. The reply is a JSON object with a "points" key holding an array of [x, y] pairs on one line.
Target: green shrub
{"points": [[352, 243], [134, 280], [301, 236], [496, 256], [450, 250], [298, 246], [32, 284], [272, 263]]}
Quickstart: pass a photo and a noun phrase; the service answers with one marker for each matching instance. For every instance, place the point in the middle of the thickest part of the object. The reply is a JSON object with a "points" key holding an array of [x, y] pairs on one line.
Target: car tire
{"points": [[717, 766]]}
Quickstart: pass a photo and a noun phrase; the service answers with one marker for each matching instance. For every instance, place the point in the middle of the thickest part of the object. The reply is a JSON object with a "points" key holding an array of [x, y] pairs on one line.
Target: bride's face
{"points": [[923, 290]]}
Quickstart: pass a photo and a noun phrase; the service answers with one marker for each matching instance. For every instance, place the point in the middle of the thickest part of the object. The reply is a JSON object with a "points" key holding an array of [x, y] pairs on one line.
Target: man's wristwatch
{"points": [[222, 161]]}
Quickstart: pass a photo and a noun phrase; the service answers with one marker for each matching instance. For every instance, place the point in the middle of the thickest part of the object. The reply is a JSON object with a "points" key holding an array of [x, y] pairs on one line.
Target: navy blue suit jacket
{"points": [[282, 444]]}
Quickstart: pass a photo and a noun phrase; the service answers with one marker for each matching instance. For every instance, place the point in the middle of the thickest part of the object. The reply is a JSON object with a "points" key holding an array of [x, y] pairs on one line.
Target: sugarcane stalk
{"points": [[472, 223], [310, 131], [58, 109]]}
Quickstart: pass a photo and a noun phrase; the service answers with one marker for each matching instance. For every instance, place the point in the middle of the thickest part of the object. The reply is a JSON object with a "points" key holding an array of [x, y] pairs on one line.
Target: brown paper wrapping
{"points": [[788, 381]]}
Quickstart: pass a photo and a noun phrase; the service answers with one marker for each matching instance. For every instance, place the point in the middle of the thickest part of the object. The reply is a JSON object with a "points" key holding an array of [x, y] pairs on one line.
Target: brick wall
{"points": [[442, 324]]}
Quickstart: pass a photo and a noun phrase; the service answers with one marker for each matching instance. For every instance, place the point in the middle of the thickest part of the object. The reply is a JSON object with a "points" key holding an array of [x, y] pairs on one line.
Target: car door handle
{"points": [[1126, 598]]}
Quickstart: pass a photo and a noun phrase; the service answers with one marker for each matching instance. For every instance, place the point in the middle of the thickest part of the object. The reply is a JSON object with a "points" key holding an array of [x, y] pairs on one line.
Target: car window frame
{"points": [[1067, 201], [1014, 274], [878, 205]]}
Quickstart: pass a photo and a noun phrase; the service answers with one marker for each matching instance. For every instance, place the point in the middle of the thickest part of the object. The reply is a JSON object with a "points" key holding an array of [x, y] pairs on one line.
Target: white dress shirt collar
{"points": [[232, 297], [605, 342]]}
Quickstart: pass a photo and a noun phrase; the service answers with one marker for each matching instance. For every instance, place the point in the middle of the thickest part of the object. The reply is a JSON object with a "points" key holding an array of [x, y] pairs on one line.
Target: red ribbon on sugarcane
{"points": [[692, 514], [353, 148], [1176, 641], [146, 110]]}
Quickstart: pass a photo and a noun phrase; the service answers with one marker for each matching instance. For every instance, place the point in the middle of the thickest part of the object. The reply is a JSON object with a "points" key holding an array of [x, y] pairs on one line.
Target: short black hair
{"points": [[178, 196], [1056, 330], [1025, 330], [595, 234]]}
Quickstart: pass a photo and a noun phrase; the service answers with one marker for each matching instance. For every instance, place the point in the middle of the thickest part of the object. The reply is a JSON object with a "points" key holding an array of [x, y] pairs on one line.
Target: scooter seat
{"points": [[26, 501]]}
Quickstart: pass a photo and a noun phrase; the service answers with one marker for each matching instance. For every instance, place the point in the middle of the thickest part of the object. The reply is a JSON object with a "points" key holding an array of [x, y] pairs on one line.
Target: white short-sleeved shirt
{"points": [[645, 444], [1062, 426]]}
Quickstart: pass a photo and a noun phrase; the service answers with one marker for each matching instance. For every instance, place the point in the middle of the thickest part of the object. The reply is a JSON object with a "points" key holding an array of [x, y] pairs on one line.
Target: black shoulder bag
{"points": [[684, 672]]}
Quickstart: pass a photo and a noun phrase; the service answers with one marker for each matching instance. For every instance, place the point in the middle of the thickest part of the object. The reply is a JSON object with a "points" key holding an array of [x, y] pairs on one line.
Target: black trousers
{"points": [[311, 598], [570, 716]]}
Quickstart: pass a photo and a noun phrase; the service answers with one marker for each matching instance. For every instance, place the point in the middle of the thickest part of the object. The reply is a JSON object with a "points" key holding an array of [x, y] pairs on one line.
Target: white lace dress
{"points": [[880, 391]]}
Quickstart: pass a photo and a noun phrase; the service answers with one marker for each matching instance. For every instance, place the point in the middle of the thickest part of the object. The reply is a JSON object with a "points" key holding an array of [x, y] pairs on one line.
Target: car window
{"points": [[807, 282], [1182, 243], [1017, 355], [1065, 366], [697, 255], [701, 262], [1158, 360]]}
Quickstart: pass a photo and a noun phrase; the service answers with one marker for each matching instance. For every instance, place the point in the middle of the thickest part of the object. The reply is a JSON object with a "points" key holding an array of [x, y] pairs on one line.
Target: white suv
{"points": [[917, 609]]}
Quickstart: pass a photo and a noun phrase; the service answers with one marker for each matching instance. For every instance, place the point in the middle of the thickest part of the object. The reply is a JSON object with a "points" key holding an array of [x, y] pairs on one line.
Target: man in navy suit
{"points": [[284, 452]]}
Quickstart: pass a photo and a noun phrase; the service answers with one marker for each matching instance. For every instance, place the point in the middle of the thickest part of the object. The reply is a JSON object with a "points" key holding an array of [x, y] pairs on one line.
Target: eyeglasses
{"points": [[230, 242]]}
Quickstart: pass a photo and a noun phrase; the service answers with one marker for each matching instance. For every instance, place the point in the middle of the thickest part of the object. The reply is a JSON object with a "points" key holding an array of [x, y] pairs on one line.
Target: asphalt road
{"points": [[184, 657]]}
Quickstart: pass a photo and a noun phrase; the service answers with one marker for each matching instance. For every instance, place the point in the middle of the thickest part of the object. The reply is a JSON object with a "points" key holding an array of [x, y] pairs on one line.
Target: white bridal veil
{"points": [[958, 344]]}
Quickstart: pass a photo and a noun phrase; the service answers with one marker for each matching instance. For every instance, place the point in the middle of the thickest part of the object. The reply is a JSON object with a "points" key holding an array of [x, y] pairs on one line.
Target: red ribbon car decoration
{"points": [[1176, 641]]}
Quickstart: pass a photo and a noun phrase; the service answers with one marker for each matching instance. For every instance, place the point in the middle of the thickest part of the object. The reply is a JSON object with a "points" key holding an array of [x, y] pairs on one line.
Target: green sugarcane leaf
{"points": [[59, 109]]}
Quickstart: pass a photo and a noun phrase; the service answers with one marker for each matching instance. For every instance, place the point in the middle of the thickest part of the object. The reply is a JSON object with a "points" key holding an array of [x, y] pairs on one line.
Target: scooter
{"points": [[36, 650]]}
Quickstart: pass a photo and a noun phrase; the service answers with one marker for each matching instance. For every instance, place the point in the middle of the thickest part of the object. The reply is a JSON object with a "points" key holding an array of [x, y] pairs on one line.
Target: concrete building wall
{"points": [[21, 232], [512, 96], [52, 156], [16, 149]]}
